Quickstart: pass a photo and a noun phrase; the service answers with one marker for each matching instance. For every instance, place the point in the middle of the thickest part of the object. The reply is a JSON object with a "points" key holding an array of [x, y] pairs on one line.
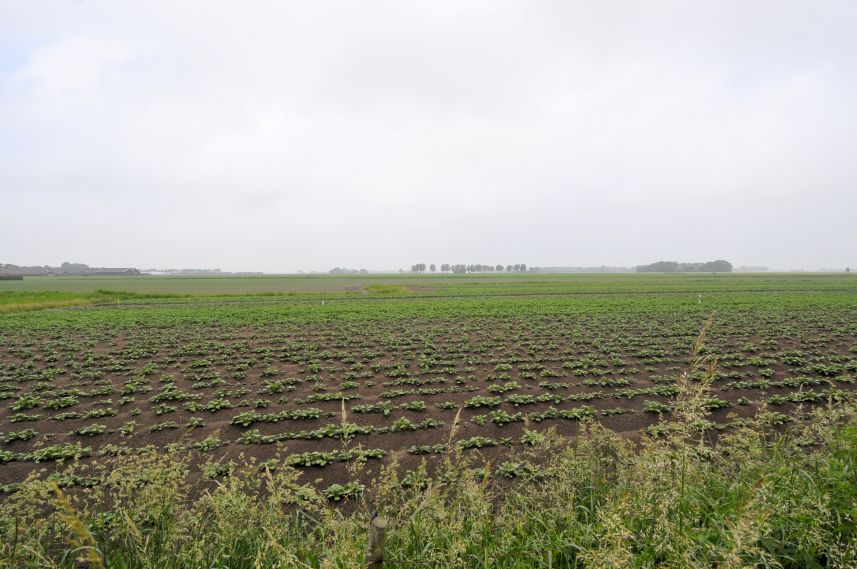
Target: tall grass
{"points": [[756, 498], [23, 301]]}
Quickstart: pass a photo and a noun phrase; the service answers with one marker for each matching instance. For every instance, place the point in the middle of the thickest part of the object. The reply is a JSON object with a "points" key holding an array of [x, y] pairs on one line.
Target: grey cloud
{"points": [[277, 136]]}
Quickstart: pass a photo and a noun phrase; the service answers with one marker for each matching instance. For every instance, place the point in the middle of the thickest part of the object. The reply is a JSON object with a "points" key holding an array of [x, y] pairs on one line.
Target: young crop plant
{"points": [[207, 444], [607, 382], [61, 402], [163, 409], [253, 437], [171, 393], [793, 358], [269, 372], [774, 418], [314, 458], [127, 429], [361, 454], [796, 397], [273, 387], [68, 415], [501, 418], [247, 418], [427, 449], [656, 407], [216, 469], [23, 435], [414, 406], [396, 393], [520, 399], [713, 403], [195, 423], [334, 396], [615, 411], [339, 492], [552, 386], [384, 408], [399, 370], [476, 442], [331, 430], [532, 438], [510, 469], [575, 414], [100, 412], [404, 424], [416, 479], [162, 426], [216, 405], [90, 430], [114, 450], [62, 451], [510, 386], [482, 401], [25, 402]]}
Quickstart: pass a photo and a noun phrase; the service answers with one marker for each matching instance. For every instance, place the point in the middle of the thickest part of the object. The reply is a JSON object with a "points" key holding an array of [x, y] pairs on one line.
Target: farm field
{"points": [[446, 284], [225, 375], [338, 378]]}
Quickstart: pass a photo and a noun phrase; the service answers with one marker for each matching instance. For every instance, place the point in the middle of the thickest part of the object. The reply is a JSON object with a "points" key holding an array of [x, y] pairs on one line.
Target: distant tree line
{"points": [[463, 269], [719, 266]]}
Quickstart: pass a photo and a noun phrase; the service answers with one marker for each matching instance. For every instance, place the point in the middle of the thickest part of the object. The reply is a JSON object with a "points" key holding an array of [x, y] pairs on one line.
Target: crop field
{"points": [[339, 378], [222, 376]]}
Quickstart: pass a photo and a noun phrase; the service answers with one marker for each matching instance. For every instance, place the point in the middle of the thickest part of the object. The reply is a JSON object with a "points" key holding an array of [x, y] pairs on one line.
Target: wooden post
{"points": [[377, 537]]}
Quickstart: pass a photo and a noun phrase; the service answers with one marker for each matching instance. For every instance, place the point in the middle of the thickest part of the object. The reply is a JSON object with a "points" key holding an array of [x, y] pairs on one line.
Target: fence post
{"points": [[377, 537]]}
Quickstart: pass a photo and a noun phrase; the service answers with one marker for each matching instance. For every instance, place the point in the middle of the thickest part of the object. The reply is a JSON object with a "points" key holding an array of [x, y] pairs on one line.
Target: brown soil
{"points": [[474, 353]]}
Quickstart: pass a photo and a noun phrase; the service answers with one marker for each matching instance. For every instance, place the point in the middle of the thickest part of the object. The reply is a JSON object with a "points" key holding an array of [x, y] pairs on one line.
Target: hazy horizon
{"points": [[545, 269], [280, 136]]}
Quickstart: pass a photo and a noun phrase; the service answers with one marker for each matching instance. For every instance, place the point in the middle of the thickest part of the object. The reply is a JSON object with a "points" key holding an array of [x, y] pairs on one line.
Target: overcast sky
{"points": [[279, 136]]}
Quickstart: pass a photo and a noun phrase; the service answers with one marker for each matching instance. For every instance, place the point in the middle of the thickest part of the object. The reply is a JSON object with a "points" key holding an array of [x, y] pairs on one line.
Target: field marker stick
{"points": [[377, 538]]}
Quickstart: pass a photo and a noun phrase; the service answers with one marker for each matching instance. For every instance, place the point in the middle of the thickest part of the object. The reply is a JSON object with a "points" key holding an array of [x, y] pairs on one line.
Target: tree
{"points": [[718, 266], [659, 267], [432, 268]]}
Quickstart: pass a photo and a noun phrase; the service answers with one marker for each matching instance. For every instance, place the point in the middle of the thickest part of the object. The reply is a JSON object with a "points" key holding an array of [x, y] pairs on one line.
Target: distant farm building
{"points": [[113, 272], [68, 269]]}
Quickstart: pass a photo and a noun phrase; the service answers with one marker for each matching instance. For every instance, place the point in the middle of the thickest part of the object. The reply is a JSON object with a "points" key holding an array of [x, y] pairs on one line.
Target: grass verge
{"points": [[25, 301]]}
